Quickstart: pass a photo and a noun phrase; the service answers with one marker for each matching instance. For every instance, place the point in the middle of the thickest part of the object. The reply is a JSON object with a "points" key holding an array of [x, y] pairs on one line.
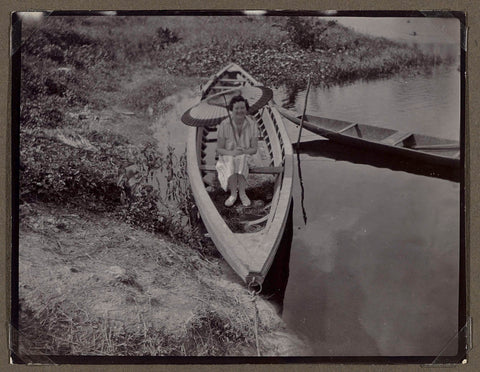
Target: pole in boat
{"points": [[303, 115]]}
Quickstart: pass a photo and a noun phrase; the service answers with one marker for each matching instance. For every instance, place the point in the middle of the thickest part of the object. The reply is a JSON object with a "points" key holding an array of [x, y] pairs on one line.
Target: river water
{"points": [[374, 271]]}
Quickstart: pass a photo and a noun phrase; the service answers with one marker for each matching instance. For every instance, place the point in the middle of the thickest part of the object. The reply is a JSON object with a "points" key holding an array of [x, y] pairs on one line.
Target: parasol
{"points": [[212, 110]]}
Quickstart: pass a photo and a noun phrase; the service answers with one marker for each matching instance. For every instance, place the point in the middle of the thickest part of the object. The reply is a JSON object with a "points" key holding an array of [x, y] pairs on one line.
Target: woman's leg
{"points": [[242, 185], [233, 184], [233, 187]]}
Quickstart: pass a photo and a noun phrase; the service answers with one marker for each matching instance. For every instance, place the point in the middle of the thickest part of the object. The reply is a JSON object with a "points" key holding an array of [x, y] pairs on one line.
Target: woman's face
{"points": [[239, 109]]}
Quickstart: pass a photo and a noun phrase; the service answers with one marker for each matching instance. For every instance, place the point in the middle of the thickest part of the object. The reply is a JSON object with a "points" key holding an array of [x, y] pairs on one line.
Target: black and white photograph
{"points": [[239, 186]]}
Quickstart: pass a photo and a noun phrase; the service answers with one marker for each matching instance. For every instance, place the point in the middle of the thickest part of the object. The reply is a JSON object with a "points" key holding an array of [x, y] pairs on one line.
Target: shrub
{"points": [[166, 36], [300, 32], [59, 173], [170, 211]]}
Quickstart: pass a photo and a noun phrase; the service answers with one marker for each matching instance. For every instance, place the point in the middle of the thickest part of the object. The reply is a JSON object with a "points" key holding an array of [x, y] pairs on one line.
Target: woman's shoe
{"points": [[245, 200], [231, 200]]}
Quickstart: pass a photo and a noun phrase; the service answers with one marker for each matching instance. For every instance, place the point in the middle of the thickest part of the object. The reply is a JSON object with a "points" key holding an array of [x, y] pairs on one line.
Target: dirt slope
{"points": [[93, 285]]}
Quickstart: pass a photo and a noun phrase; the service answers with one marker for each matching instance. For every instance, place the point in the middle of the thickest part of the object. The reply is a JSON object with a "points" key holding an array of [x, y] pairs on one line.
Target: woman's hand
{"points": [[234, 152], [238, 151]]}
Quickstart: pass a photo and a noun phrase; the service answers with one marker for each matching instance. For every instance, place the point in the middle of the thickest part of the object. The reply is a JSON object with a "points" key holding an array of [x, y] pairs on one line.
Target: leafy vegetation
{"points": [[64, 161], [56, 172], [286, 50]]}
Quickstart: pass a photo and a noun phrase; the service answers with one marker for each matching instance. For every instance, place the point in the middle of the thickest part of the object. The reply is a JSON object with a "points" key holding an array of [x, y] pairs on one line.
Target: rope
{"points": [[253, 294], [255, 321]]}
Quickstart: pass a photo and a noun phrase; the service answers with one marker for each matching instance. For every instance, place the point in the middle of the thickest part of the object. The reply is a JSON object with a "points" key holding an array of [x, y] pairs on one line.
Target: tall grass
{"points": [[69, 62]]}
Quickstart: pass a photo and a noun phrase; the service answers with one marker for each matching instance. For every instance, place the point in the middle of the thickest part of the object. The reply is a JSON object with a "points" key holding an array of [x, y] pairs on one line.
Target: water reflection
{"points": [[332, 150], [375, 270], [425, 104], [299, 168], [275, 283]]}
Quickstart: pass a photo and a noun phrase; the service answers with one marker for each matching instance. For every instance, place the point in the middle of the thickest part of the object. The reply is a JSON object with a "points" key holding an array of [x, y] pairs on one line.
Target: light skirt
{"points": [[228, 165]]}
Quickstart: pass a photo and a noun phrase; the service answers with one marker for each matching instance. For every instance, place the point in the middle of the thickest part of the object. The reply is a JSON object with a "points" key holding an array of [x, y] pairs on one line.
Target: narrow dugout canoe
{"points": [[417, 147], [250, 254]]}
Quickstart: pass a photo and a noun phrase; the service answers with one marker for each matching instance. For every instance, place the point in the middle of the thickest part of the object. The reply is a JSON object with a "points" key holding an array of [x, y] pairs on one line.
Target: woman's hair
{"points": [[236, 99]]}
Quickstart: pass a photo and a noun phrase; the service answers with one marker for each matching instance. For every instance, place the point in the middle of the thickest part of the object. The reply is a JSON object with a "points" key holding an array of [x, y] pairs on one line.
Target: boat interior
{"points": [[264, 180], [389, 137]]}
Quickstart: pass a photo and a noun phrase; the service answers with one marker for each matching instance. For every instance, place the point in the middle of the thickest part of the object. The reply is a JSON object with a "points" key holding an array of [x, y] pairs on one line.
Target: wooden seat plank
{"points": [[224, 87], [348, 127], [232, 80], [396, 138], [257, 170]]}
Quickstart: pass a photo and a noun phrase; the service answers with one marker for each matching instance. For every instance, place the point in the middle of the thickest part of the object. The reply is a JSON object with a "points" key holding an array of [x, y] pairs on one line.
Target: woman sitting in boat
{"points": [[237, 141]]}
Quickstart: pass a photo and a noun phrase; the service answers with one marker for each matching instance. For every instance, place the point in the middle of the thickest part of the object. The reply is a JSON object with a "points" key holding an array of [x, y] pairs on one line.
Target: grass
{"points": [[63, 327], [90, 287]]}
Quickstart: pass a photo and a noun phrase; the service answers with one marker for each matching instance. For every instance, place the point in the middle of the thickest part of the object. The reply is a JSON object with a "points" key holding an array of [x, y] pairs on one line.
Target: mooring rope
{"points": [[253, 294]]}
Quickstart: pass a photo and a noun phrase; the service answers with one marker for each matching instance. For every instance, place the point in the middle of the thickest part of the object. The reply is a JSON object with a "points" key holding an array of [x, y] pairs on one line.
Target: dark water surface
{"points": [[375, 269]]}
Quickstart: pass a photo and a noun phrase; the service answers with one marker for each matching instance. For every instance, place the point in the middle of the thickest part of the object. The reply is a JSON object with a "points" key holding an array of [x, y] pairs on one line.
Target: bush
{"points": [[300, 32], [170, 211], [166, 36], [56, 172]]}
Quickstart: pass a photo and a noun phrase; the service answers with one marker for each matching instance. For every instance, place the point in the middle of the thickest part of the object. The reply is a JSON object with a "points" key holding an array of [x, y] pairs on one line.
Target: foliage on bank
{"points": [[293, 48]]}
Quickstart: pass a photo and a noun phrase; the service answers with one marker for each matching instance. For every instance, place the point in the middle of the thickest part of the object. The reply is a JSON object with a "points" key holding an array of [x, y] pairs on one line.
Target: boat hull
{"points": [[249, 254], [439, 151]]}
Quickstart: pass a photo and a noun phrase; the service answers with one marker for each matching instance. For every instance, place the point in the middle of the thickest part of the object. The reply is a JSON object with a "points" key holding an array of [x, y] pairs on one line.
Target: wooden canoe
{"points": [[250, 254], [418, 147]]}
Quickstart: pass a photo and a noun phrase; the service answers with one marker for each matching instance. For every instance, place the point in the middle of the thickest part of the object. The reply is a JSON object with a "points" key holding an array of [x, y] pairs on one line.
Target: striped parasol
{"points": [[212, 110]]}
